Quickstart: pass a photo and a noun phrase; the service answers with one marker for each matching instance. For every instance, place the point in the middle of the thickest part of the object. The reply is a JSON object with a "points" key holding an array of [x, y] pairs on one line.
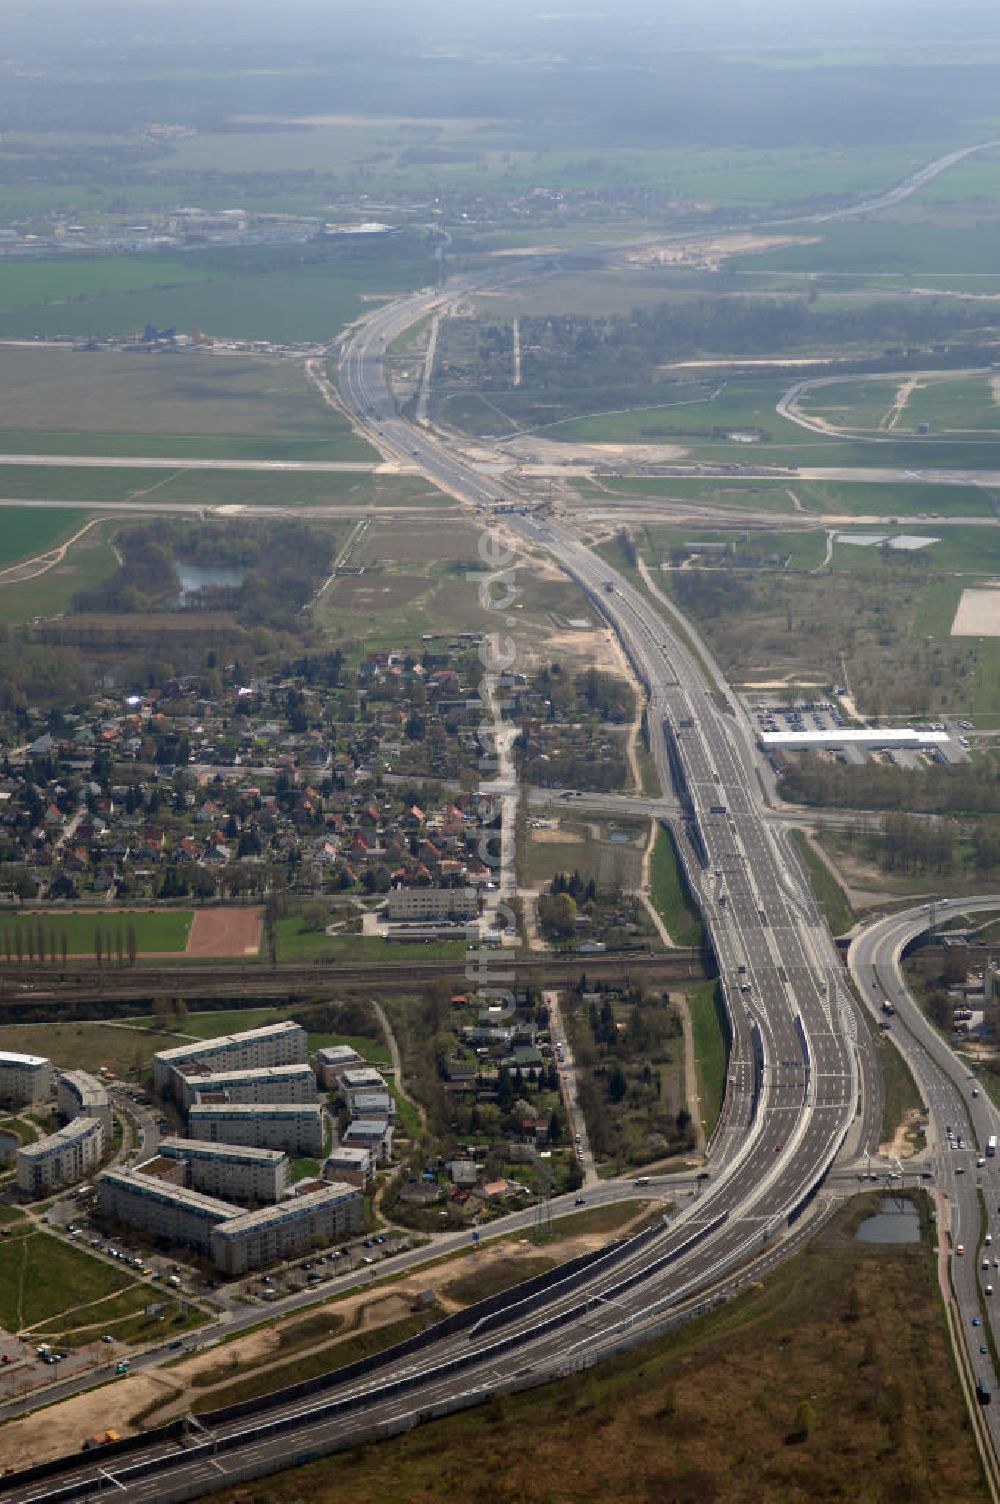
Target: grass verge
{"points": [[827, 891], [710, 1050], [669, 893]]}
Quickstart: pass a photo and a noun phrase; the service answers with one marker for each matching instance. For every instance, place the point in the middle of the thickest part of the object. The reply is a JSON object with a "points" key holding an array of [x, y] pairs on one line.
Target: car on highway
{"points": [[960, 1249], [976, 1321]]}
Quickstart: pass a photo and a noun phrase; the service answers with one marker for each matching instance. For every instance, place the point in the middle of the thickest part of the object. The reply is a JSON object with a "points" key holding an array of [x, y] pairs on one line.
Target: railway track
{"points": [[23, 987]]}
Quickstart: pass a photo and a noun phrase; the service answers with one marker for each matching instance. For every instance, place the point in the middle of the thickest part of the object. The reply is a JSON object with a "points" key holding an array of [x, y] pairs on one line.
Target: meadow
{"points": [[154, 930], [87, 563], [88, 1046], [309, 303], [68, 279], [213, 405], [28, 531], [42, 1278], [889, 244], [860, 1401], [700, 429]]}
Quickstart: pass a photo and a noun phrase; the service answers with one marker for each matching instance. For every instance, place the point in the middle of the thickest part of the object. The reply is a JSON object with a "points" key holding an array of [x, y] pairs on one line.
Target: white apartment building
{"points": [[268, 1083], [273, 1233], [296, 1127], [231, 1172], [273, 1044], [63, 1158], [24, 1079], [161, 1209], [78, 1094]]}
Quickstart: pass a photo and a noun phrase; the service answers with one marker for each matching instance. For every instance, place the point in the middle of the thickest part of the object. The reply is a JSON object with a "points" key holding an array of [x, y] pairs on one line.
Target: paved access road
{"points": [[947, 1086]]}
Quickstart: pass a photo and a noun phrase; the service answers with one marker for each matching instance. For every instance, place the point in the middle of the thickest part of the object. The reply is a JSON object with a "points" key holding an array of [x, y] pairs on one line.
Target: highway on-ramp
{"points": [[960, 1113]]}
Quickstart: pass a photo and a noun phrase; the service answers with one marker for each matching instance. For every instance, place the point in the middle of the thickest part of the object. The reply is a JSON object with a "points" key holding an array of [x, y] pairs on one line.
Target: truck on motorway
{"points": [[991, 1146], [983, 1394]]}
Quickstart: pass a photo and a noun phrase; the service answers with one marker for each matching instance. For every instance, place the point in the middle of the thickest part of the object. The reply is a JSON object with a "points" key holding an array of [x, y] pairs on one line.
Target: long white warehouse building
{"points": [[872, 737]]}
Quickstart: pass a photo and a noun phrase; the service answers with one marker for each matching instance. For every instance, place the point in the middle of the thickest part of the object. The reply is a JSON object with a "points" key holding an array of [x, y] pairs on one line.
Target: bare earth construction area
{"points": [[978, 614]]}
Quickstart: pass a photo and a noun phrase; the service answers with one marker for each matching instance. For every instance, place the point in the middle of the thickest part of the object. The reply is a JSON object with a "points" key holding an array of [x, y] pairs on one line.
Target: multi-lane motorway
{"points": [[961, 1119], [795, 1071]]}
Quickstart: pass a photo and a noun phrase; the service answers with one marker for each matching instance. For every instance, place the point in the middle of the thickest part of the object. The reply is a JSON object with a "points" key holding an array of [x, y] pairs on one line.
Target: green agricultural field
{"points": [[68, 279], [309, 303], [740, 405], [155, 930], [26, 531], [198, 404], [861, 405], [43, 1278], [891, 245]]}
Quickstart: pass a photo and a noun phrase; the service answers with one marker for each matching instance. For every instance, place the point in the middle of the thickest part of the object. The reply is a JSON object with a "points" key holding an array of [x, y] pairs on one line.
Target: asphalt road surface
{"points": [[947, 1085]]}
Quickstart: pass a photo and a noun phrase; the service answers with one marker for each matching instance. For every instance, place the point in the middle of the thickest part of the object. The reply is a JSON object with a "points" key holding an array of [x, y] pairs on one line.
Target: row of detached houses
{"points": [[179, 791]]}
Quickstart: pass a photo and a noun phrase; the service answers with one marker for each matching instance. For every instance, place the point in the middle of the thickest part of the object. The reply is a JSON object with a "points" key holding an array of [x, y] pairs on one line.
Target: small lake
{"points": [[896, 1221], [9, 1145], [197, 577]]}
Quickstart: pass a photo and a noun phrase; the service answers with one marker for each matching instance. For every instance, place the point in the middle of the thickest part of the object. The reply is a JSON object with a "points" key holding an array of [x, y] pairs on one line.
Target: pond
{"points": [[9, 1145], [197, 577], [896, 1221]]}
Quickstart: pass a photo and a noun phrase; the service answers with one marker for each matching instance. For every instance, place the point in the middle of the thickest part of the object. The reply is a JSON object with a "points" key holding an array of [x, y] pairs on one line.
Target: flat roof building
{"points": [[265, 1083], [163, 1210], [415, 904], [296, 1127], [24, 1078], [367, 1078], [78, 1094], [373, 1104], [872, 737], [273, 1044], [368, 1134], [232, 1172], [272, 1233], [351, 1163], [334, 1058], [61, 1159]]}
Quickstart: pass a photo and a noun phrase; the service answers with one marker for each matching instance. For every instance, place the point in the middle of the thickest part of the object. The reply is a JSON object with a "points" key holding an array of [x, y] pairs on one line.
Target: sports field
{"points": [[154, 930]]}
